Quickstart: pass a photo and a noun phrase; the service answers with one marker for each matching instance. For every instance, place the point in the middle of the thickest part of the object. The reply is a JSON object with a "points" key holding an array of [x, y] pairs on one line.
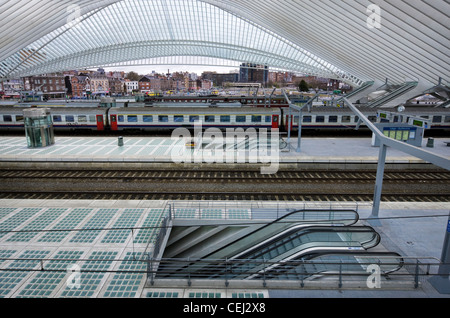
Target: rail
{"points": [[376, 270], [255, 210], [165, 222]]}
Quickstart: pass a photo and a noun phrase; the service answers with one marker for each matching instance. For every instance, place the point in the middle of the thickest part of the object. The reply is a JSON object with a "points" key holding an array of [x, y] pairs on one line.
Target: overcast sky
{"points": [[199, 69]]}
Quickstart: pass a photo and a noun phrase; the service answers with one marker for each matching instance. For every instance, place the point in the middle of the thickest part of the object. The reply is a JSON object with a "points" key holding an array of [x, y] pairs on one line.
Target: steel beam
{"points": [[385, 142]]}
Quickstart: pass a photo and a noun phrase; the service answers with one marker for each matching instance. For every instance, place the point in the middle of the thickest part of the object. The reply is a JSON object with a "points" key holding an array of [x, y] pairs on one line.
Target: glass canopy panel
{"points": [[131, 30]]}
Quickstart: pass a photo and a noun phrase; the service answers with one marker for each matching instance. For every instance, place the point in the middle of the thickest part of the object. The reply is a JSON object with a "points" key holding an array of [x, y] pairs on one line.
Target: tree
{"points": [[303, 86], [133, 76]]}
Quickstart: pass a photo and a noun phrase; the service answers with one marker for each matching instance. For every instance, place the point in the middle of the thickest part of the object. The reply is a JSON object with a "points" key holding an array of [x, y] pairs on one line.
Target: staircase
{"points": [[393, 94]]}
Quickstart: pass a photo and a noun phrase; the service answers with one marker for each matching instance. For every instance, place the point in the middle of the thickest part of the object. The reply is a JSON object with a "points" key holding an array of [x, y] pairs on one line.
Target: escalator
{"points": [[254, 236], [284, 249], [331, 263], [292, 221], [299, 243]]}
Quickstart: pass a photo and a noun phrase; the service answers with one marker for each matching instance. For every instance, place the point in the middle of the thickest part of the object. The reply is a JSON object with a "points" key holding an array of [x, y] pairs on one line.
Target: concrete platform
{"points": [[147, 150], [412, 229]]}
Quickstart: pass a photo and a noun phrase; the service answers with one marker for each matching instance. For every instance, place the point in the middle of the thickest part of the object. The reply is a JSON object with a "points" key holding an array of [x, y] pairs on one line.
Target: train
{"points": [[169, 118]]}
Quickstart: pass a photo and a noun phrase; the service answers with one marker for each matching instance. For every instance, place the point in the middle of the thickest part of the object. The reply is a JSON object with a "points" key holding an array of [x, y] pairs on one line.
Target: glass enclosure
{"points": [[39, 127]]}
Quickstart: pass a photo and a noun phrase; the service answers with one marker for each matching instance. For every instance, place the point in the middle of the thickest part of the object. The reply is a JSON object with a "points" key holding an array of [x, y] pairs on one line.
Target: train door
{"points": [[100, 123], [114, 122], [275, 121]]}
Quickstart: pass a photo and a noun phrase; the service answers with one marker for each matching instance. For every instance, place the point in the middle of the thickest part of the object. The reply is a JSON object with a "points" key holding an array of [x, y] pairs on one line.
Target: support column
{"points": [[299, 140], [442, 281], [378, 186], [289, 122]]}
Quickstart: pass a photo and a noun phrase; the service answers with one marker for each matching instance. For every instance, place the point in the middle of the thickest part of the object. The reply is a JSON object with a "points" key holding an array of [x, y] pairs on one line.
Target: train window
{"points": [[82, 119], [225, 118], [19, 118], [132, 118], [7, 118], [333, 119], [178, 118], [296, 119], [307, 119], [437, 119], [269, 119], [147, 118], [240, 119], [345, 119], [396, 119], [163, 118], [194, 118], [256, 119], [209, 118], [320, 119], [57, 118], [356, 119], [373, 119], [70, 118], [447, 119], [121, 118]]}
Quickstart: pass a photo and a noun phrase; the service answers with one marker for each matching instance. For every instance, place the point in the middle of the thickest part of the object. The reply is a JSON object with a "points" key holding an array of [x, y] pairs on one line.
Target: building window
{"points": [[345, 119], [148, 118], [333, 119], [240, 119], [437, 119], [225, 118], [210, 118], [178, 118], [194, 118], [320, 119], [163, 119], [256, 119], [132, 118], [307, 119]]}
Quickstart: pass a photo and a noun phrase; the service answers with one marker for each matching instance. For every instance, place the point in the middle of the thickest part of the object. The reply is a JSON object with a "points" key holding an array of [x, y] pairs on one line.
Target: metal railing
{"points": [[368, 271], [225, 210], [165, 222]]}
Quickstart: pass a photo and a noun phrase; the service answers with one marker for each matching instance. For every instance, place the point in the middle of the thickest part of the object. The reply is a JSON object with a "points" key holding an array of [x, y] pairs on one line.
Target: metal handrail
{"points": [[336, 269]]}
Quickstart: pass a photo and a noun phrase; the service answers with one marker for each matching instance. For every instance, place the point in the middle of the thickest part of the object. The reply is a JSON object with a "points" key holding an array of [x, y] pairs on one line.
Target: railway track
{"points": [[407, 186], [220, 176], [222, 196]]}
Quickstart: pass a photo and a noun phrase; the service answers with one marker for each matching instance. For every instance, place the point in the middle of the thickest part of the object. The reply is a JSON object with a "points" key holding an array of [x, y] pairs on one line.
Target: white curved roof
{"points": [[329, 38]]}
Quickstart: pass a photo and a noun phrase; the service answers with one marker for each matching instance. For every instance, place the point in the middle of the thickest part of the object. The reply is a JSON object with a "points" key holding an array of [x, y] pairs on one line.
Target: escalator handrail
{"points": [[354, 221], [374, 254], [309, 229], [333, 251]]}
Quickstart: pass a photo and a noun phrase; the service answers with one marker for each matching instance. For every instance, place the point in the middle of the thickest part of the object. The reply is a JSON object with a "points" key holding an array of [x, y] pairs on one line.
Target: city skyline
{"points": [[162, 69]]}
